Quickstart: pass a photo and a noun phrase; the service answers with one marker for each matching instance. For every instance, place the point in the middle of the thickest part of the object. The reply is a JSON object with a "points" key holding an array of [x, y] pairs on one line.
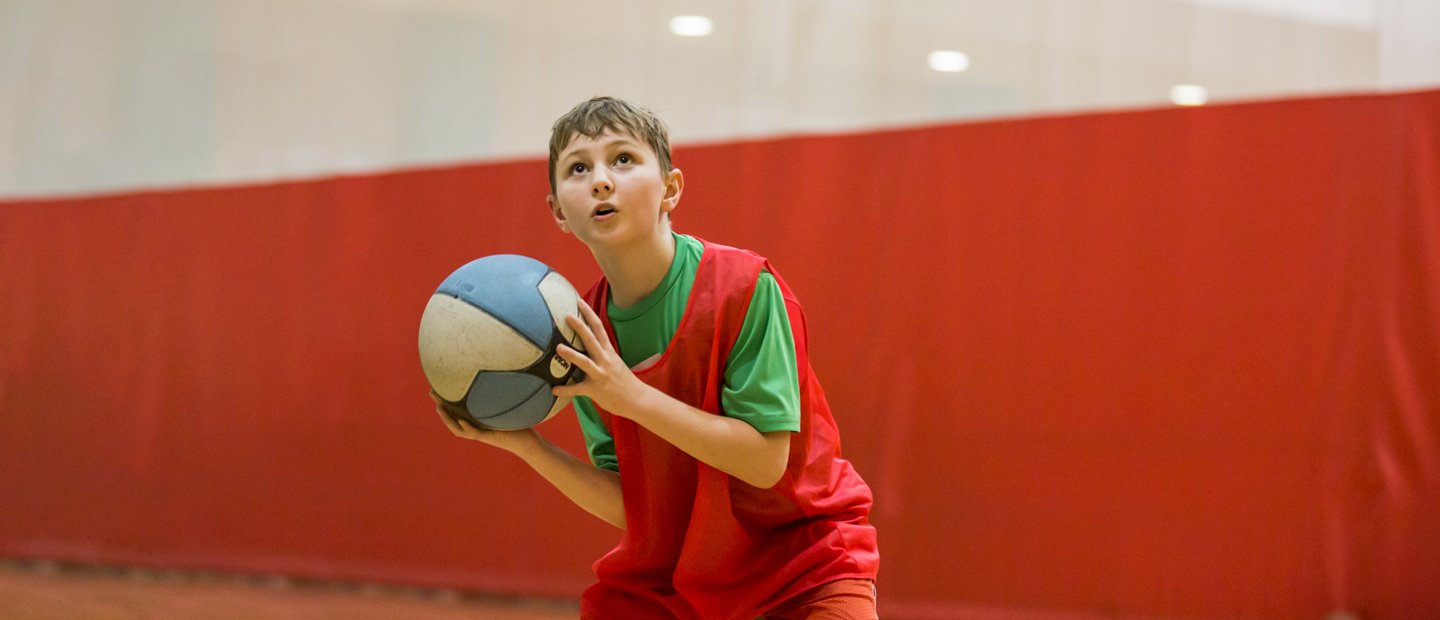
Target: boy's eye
{"points": [[624, 158], [577, 169]]}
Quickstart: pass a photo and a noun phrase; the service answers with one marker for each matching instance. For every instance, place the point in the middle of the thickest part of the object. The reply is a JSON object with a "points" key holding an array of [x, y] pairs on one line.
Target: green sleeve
{"points": [[762, 384], [598, 441]]}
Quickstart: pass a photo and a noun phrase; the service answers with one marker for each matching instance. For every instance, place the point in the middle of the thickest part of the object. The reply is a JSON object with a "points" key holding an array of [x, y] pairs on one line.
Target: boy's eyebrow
{"points": [[622, 140]]}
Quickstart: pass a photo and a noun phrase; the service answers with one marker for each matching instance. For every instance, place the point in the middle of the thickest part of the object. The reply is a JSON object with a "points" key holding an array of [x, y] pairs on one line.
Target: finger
{"points": [[586, 365], [449, 420], [593, 321], [593, 343], [469, 428]]}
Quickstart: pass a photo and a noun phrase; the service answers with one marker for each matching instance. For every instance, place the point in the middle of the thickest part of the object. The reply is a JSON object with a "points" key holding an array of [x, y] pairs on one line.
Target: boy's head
{"points": [[592, 118]]}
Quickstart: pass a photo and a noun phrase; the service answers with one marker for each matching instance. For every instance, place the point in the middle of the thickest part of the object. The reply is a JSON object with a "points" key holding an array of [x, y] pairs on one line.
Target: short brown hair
{"points": [[592, 118]]}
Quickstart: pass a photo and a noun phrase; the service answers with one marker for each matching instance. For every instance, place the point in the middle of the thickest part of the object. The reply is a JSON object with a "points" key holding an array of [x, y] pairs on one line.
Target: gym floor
{"points": [[44, 591]]}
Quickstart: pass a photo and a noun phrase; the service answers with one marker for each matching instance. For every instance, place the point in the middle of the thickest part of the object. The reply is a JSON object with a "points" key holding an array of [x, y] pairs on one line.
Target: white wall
{"points": [[110, 95]]}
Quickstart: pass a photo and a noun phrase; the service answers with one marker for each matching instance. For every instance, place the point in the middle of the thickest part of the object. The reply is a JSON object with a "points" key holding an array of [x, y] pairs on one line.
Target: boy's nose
{"points": [[602, 189]]}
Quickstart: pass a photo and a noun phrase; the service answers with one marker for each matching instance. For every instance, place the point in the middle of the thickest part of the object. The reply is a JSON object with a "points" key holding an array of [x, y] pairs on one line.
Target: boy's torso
{"points": [[699, 542], [761, 374]]}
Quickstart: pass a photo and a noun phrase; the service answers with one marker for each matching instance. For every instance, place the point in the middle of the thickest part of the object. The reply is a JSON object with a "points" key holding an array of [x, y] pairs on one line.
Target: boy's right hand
{"points": [[510, 441]]}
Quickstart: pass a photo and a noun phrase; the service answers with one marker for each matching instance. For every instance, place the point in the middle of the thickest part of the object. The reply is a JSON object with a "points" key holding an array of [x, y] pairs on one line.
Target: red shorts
{"points": [[842, 599]]}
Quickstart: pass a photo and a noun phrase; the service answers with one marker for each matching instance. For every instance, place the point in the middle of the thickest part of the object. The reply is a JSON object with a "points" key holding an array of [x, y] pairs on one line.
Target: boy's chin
{"points": [[600, 239], [620, 236]]}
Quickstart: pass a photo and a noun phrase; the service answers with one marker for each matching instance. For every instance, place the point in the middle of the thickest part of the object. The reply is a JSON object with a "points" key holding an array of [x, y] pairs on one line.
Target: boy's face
{"points": [[610, 191]]}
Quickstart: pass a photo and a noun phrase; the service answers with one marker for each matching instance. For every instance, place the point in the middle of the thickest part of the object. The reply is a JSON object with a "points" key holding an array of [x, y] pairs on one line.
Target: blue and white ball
{"points": [[488, 341]]}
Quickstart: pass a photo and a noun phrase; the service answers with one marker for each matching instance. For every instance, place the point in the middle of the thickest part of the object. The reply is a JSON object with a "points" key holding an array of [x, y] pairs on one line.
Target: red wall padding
{"points": [[1181, 362]]}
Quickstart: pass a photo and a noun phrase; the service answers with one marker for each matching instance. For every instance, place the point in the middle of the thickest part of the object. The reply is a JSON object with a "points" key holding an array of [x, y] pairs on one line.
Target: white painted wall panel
{"points": [[110, 95]]}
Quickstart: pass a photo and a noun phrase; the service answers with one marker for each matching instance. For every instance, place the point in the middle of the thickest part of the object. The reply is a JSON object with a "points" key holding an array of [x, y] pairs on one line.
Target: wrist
{"points": [[643, 403], [527, 443]]}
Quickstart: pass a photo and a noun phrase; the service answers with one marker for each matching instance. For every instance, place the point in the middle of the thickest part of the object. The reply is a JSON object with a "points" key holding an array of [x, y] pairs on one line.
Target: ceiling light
{"points": [[1188, 94], [949, 61], [691, 25]]}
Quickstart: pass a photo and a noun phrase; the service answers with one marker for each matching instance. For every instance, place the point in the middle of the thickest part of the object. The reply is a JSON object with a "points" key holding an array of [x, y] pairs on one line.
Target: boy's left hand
{"points": [[608, 381]]}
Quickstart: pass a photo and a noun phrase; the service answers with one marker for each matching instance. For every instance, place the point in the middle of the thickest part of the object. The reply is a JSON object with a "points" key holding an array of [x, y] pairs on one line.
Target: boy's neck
{"points": [[638, 270]]}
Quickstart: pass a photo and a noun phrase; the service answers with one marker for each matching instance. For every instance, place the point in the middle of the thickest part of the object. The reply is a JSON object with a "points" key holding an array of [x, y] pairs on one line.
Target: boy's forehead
{"points": [[579, 141]]}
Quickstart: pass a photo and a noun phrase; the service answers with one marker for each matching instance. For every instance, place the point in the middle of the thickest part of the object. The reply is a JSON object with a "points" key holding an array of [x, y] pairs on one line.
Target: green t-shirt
{"points": [[762, 385]]}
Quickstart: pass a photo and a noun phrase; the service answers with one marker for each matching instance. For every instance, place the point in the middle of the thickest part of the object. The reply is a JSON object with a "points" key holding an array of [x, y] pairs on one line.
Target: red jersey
{"points": [[699, 543]]}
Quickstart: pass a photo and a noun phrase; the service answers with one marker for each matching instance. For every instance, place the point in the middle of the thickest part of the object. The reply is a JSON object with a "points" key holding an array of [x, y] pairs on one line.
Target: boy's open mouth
{"points": [[604, 210]]}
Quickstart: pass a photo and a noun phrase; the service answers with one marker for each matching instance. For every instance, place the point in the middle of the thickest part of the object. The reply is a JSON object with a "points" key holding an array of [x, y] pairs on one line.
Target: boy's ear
{"points": [[674, 186], [557, 214]]}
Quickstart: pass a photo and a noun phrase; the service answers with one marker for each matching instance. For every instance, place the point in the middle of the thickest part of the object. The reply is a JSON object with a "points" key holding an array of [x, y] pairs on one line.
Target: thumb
{"points": [[567, 391]]}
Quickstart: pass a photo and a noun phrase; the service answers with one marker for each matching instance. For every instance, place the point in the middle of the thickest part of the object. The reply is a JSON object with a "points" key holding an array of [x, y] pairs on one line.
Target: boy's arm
{"points": [[591, 488], [727, 444]]}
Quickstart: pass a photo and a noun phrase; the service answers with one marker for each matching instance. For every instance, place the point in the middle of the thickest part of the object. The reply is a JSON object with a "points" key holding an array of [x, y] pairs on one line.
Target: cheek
{"points": [[646, 190], [568, 198]]}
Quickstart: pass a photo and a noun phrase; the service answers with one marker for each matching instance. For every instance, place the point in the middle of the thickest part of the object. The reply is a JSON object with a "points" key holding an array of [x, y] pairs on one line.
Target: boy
{"points": [[711, 442]]}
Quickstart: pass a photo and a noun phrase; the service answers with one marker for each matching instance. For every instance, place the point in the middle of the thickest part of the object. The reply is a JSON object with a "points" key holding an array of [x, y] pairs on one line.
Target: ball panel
{"points": [[555, 408], [532, 411], [505, 285], [458, 340], [498, 393], [562, 299]]}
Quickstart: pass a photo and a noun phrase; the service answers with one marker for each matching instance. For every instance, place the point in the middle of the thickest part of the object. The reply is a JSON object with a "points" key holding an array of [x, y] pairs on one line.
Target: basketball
{"points": [[488, 341]]}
